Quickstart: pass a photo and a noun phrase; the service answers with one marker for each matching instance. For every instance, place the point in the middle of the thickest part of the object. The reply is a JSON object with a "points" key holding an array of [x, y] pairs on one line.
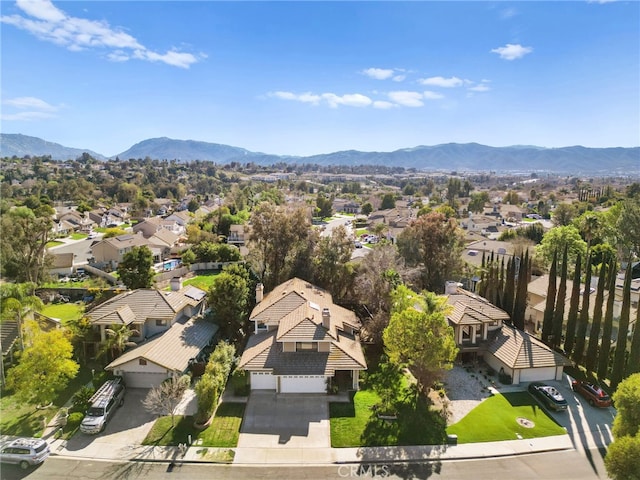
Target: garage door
{"points": [[302, 384], [537, 374], [143, 379], [262, 381]]}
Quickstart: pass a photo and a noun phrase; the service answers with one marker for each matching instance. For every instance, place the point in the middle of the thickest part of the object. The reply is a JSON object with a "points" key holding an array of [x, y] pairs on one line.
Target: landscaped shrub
{"points": [[81, 398], [211, 383]]}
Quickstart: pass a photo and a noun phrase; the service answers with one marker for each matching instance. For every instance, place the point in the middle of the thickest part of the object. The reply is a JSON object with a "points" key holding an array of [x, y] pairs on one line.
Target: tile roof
{"points": [[138, 305], [174, 348], [469, 309], [517, 350]]}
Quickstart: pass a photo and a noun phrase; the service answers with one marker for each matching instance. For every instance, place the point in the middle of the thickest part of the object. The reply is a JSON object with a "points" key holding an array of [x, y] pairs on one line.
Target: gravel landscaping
{"points": [[464, 392]]}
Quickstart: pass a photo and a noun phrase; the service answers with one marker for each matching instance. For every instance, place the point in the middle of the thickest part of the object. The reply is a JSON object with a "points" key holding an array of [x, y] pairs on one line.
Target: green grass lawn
{"points": [[203, 282], [54, 243], [355, 424], [78, 236], [64, 311], [224, 430], [495, 419]]}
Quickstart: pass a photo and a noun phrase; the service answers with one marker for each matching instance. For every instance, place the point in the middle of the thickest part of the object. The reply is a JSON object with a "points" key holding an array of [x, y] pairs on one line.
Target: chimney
{"points": [[451, 288], [176, 284], [326, 318], [259, 292]]}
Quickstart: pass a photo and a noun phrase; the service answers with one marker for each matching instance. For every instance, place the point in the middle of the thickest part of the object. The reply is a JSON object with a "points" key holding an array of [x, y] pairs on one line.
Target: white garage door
{"points": [[143, 379], [537, 374], [303, 384], [262, 381]]}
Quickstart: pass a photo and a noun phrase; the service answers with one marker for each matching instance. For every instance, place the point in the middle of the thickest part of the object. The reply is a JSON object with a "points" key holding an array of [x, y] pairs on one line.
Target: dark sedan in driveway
{"points": [[548, 395], [595, 395]]}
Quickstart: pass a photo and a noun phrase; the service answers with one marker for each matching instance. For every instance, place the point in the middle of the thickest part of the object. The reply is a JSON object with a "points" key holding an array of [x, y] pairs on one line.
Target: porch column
{"points": [[485, 330], [459, 332], [473, 334], [103, 335], [355, 375]]}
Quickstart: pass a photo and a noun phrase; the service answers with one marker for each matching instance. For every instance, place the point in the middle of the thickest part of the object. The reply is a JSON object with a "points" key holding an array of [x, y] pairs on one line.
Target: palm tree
{"points": [[17, 300], [117, 340]]}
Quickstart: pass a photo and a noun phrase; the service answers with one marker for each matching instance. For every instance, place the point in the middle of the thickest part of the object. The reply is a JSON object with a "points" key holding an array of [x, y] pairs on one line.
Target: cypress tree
{"points": [[583, 319], [521, 294], [618, 369], [558, 314], [509, 287], [605, 345], [633, 365], [594, 335], [547, 322], [572, 318]]}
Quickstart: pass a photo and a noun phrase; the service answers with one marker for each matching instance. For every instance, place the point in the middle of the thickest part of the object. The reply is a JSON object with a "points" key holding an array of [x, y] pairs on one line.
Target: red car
{"points": [[592, 392]]}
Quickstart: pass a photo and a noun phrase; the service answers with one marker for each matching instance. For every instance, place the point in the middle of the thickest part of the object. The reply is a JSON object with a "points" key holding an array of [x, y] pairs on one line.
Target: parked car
{"points": [[358, 244], [548, 395], [595, 395], [25, 452], [104, 403]]}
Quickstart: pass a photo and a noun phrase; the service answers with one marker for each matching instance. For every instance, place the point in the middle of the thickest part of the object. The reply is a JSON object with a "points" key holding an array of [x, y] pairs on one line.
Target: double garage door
{"points": [[289, 383], [143, 379]]}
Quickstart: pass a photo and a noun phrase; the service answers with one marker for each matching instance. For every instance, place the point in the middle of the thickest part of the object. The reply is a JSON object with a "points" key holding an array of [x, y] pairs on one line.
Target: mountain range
{"points": [[444, 157]]}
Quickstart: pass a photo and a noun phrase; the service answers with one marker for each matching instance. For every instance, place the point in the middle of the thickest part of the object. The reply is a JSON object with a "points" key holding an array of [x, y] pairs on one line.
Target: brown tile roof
{"points": [[469, 309], [174, 348], [138, 305], [517, 349]]}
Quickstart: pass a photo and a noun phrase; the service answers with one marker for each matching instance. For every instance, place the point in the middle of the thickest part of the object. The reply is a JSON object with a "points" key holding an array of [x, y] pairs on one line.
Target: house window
{"points": [[142, 361], [161, 323], [307, 347]]}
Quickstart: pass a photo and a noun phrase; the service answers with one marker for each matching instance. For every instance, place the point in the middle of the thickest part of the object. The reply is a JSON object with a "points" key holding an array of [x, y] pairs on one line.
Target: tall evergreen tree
{"points": [[558, 314], [618, 369], [605, 345], [583, 319], [633, 365], [509, 287], [572, 318], [547, 322], [594, 335], [521, 294]]}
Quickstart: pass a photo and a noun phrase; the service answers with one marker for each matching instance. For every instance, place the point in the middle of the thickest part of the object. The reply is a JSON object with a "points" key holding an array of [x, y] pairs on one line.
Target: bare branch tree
{"points": [[163, 399]]}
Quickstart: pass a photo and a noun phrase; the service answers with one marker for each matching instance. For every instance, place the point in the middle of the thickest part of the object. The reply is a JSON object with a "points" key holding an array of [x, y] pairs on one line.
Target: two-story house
{"points": [[110, 251], [168, 328], [302, 342]]}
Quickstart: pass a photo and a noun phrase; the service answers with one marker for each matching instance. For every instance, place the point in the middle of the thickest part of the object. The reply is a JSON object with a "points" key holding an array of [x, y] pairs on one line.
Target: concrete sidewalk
{"points": [[313, 456]]}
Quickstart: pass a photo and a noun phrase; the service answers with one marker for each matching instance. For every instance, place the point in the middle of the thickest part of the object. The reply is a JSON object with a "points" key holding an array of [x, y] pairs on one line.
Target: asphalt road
{"points": [[81, 250], [568, 465]]}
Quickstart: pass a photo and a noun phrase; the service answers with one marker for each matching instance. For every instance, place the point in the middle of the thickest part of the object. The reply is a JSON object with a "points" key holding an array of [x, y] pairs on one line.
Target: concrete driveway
{"points": [[128, 426], [285, 421]]}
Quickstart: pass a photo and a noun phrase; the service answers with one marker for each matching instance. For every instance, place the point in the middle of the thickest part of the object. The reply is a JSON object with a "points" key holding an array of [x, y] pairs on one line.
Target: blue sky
{"points": [[301, 78]]}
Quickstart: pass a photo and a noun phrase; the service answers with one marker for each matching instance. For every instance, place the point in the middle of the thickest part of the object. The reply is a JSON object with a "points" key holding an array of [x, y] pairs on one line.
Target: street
{"points": [[566, 465]]}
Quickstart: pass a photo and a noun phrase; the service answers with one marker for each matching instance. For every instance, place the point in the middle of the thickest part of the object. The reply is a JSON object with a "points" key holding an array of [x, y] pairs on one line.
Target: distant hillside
{"points": [[20, 145], [445, 157]]}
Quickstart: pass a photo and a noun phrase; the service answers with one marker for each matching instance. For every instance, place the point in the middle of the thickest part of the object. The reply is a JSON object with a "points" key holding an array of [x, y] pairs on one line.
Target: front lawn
{"points": [[53, 243], [78, 236], [202, 281], [495, 419], [224, 430], [64, 311], [356, 424]]}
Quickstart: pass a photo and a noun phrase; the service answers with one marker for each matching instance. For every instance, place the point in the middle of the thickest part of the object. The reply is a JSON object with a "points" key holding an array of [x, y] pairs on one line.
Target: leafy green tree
{"points": [[434, 244], [556, 239], [387, 383], [113, 232], [623, 458], [512, 198], [583, 318], [627, 402], [117, 341], [563, 214], [618, 369], [188, 257], [633, 365], [136, 268], [366, 208], [478, 201], [17, 301], [331, 263], [418, 336], [388, 201], [229, 299], [520, 302], [25, 233], [628, 227], [45, 367], [324, 206]]}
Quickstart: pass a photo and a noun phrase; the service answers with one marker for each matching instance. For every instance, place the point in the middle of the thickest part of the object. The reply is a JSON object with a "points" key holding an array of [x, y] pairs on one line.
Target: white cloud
{"points": [[30, 108], [511, 51], [52, 25], [378, 73], [399, 78], [406, 99], [442, 82], [383, 105], [429, 95], [482, 87], [350, 100], [508, 13], [303, 97]]}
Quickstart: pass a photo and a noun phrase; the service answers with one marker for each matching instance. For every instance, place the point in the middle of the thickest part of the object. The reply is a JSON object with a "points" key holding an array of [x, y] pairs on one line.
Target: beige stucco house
{"points": [[302, 341]]}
